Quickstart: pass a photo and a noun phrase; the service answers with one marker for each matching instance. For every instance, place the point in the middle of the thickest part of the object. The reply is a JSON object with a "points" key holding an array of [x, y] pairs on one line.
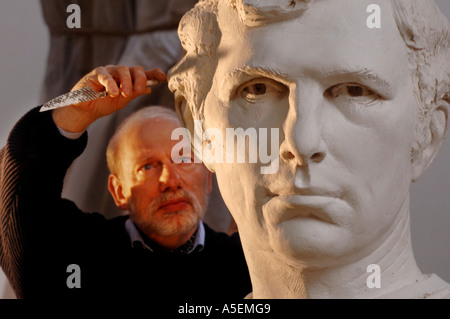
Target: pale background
{"points": [[24, 43]]}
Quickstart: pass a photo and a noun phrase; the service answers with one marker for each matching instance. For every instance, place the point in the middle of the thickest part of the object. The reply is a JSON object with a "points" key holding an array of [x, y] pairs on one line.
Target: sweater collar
{"points": [[136, 237]]}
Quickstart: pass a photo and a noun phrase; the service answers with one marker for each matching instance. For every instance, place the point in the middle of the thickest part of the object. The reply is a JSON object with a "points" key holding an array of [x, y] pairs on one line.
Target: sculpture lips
{"points": [[306, 203], [307, 191], [308, 206]]}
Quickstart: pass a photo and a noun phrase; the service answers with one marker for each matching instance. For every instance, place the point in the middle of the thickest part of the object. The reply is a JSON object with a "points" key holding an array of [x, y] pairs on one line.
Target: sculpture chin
{"points": [[309, 241]]}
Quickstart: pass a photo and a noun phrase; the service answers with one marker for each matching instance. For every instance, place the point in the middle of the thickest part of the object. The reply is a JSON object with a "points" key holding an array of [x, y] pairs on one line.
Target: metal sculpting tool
{"points": [[82, 95]]}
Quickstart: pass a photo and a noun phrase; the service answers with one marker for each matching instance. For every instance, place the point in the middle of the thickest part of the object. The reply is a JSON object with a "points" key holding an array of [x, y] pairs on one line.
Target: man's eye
{"points": [[147, 167], [260, 89], [352, 92]]}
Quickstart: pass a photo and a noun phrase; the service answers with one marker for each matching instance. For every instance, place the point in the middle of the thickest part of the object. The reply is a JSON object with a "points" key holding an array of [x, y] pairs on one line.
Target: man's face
{"points": [[341, 95], [163, 197]]}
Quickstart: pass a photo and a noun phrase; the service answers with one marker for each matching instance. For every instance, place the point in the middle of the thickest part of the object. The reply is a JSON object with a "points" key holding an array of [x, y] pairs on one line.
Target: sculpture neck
{"points": [[273, 276]]}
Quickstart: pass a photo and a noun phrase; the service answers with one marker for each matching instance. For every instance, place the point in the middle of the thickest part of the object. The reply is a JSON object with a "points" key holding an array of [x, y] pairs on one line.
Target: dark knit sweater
{"points": [[41, 234]]}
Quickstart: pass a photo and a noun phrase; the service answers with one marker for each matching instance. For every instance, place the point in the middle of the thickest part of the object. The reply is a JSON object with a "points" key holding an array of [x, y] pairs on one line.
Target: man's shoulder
{"points": [[118, 220], [217, 238], [219, 234], [93, 224], [102, 234], [117, 224]]}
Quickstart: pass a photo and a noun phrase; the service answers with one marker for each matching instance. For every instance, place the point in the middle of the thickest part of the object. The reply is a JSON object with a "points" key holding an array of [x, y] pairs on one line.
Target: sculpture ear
{"points": [[184, 114], [436, 133], [187, 119]]}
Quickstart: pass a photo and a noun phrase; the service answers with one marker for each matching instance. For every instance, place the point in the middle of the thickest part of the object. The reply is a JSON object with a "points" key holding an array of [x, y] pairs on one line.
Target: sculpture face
{"points": [[342, 98]]}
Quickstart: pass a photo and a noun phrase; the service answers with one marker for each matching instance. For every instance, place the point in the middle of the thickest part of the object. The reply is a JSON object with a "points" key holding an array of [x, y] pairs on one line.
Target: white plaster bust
{"points": [[362, 113]]}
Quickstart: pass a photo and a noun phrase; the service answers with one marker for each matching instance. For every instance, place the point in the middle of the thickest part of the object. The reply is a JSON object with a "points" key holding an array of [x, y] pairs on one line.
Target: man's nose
{"points": [[303, 143], [169, 178]]}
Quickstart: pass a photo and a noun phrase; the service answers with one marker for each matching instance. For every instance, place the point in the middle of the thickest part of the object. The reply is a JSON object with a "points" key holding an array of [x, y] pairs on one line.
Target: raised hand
{"points": [[122, 84]]}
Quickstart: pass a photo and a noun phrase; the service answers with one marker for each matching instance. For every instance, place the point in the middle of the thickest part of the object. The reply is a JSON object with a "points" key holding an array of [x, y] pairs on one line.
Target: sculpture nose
{"points": [[303, 141]]}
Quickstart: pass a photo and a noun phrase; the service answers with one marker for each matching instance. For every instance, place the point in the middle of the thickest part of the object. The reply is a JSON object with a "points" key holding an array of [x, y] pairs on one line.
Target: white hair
{"points": [[139, 116]]}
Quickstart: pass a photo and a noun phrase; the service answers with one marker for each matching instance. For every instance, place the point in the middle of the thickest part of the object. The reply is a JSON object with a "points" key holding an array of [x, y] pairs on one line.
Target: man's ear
{"points": [[187, 119], [436, 132], [116, 190]]}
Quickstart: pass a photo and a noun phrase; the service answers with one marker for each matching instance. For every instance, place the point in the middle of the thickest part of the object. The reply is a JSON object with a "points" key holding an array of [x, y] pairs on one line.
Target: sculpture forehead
{"points": [[254, 13], [281, 4], [326, 38], [259, 12]]}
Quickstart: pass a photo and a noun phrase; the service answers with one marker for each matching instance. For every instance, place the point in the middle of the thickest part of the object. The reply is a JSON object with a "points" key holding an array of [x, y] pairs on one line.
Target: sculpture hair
{"points": [[425, 31]]}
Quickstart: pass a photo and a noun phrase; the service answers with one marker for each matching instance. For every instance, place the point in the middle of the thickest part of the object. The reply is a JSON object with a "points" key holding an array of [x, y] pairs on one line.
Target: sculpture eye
{"points": [[352, 93], [255, 89], [260, 89]]}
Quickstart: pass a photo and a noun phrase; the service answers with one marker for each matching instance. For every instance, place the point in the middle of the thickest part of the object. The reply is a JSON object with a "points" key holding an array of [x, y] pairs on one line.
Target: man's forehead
{"points": [[149, 139], [149, 130]]}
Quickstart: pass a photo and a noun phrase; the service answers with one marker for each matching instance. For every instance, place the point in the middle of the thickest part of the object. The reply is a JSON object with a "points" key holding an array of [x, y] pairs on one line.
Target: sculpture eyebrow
{"points": [[365, 76], [369, 77], [260, 71], [242, 74]]}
